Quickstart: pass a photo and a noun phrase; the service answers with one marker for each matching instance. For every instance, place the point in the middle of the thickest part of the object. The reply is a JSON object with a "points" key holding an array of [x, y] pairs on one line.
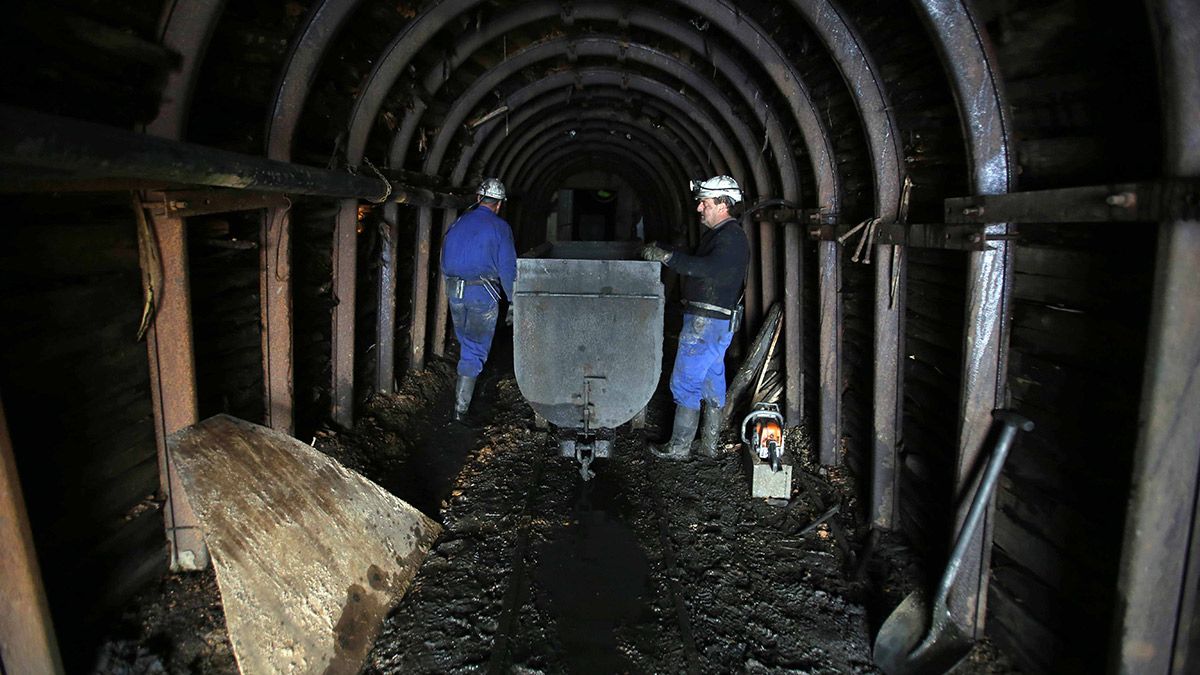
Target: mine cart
{"points": [[588, 334]]}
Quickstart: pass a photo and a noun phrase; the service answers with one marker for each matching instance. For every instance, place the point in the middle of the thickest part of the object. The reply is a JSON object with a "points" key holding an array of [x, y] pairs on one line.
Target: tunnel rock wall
{"points": [[75, 387]]}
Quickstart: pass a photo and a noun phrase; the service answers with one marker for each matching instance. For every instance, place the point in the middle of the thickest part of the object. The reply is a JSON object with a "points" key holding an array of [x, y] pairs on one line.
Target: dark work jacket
{"points": [[714, 274]]}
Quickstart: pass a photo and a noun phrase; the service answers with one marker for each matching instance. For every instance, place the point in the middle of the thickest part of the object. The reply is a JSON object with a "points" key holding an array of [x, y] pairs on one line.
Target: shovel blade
{"points": [[905, 630]]}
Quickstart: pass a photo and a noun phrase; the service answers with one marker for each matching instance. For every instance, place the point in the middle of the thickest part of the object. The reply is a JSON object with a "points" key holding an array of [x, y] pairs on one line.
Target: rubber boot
{"points": [[679, 448], [463, 391], [710, 430]]}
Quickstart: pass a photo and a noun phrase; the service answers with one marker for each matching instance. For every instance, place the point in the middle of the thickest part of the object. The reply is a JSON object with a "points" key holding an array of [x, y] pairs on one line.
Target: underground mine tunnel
{"points": [[222, 232]]}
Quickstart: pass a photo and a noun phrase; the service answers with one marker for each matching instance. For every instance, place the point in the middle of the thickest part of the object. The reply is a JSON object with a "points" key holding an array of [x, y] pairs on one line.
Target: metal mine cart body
{"points": [[588, 336]]}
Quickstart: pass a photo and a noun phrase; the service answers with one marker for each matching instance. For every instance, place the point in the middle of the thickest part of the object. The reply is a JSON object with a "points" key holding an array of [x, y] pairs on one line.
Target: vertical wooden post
{"points": [[891, 270], [275, 290], [385, 328], [830, 289], [27, 640], [793, 324], [420, 301], [341, 358], [441, 303], [1159, 583], [753, 298], [185, 28], [173, 377], [767, 263], [985, 365]]}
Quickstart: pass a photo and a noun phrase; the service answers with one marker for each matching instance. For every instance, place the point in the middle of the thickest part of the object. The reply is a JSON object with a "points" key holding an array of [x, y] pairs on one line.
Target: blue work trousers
{"points": [[474, 317], [700, 361]]}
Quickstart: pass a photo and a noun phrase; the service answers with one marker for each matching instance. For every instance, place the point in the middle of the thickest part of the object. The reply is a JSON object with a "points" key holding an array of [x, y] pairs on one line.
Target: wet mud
{"points": [[651, 567]]}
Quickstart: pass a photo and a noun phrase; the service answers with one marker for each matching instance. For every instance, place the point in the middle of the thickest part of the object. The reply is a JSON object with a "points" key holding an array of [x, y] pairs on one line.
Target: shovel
{"points": [[916, 640]]}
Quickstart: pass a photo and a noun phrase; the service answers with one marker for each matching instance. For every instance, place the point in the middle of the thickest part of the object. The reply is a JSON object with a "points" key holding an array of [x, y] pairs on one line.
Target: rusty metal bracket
{"points": [[917, 235], [185, 203], [821, 217], [1150, 201]]}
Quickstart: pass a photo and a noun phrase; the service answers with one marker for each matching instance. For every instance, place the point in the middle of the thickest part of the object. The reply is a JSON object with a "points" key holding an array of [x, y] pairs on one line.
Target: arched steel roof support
{"points": [[883, 139], [454, 118], [967, 59], [565, 163], [390, 64], [300, 68], [548, 150], [1159, 584], [829, 191], [539, 193], [789, 83], [557, 106], [641, 184], [547, 95], [748, 34], [566, 129], [494, 137], [275, 263], [535, 11], [470, 98], [567, 120]]}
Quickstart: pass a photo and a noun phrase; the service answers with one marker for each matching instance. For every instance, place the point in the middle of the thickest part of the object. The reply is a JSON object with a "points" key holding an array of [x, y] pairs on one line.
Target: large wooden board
{"points": [[310, 556]]}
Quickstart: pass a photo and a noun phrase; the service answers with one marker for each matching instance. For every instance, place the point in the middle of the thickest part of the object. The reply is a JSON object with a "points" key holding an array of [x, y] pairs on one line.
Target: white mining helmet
{"points": [[717, 186], [491, 188]]}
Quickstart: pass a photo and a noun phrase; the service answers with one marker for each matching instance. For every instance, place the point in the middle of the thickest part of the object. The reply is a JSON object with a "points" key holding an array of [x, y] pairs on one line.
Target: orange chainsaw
{"points": [[762, 432]]}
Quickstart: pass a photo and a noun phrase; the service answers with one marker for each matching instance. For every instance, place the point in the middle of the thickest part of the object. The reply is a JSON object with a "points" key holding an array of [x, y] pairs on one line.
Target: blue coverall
{"points": [[713, 275], [478, 249]]}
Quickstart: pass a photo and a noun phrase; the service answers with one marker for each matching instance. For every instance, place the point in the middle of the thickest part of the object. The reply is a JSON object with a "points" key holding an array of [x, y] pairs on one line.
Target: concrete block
{"points": [[768, 484]]}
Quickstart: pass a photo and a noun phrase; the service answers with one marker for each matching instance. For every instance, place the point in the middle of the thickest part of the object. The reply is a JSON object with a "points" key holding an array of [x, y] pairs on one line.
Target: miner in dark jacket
{"points": [[712, 287]]}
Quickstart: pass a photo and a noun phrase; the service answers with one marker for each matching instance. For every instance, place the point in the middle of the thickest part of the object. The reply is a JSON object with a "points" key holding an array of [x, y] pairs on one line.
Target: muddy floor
{"points": [[651, 567]]}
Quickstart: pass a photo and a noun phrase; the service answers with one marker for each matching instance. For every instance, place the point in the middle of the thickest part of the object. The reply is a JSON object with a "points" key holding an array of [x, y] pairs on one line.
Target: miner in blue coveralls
{"points": [[479, 262], [712, 279]]}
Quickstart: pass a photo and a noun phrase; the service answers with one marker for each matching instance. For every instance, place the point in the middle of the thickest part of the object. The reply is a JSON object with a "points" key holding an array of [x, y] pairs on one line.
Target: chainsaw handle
{"points": [[754, 414]]}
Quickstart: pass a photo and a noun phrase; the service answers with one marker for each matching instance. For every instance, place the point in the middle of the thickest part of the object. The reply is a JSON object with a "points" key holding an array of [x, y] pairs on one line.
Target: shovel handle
{"points": [[1010, 422]]}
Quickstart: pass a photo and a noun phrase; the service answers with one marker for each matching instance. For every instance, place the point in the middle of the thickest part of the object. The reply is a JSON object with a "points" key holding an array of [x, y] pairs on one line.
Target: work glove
{"points": [[653, 253], [508, 316]]}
